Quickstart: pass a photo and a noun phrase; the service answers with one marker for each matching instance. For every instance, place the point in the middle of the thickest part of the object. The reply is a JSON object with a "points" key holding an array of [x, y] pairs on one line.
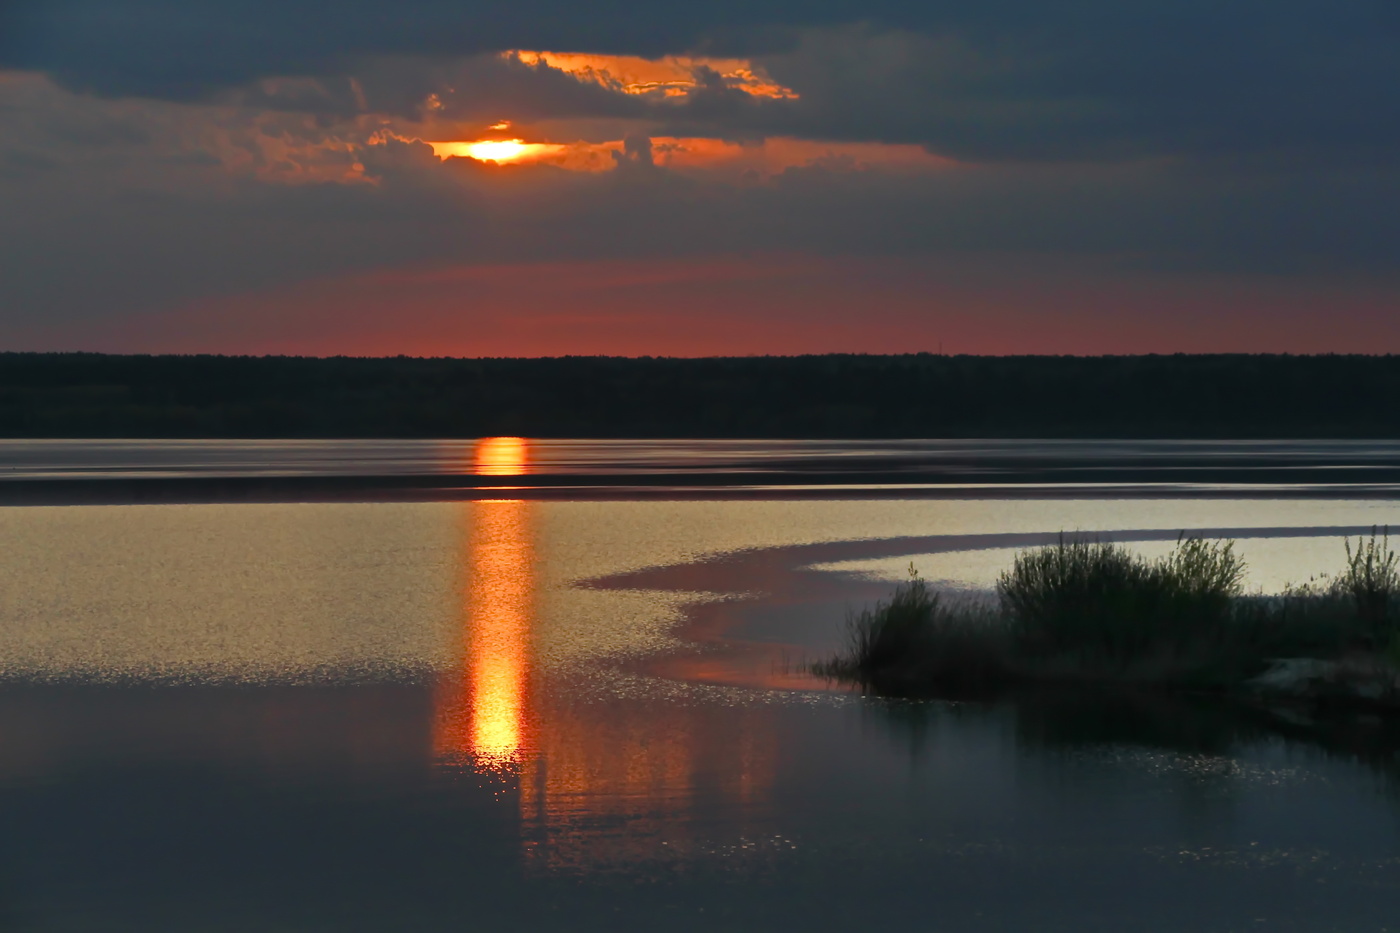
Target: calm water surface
{"points": [[582, 715], [142, 470]]}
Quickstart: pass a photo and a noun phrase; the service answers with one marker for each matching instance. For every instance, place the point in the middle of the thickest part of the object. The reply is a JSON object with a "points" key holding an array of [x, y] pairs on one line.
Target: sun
{"points": [[495, 150]]}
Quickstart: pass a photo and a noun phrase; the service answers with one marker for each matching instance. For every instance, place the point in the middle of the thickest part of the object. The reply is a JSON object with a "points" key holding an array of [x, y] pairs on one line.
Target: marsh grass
{"points": [[917, 636], [1372, 580], [1092, 610], [1356, 609], [1101, 601]]}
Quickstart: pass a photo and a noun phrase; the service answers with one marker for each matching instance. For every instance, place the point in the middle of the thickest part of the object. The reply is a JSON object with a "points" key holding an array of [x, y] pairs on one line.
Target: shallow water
{"points": [[591, 715]]}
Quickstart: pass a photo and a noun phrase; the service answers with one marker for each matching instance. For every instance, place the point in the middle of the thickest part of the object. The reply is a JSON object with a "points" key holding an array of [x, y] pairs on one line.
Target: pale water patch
{"points": [[225, 590], [287, 590], [1272, 564]]}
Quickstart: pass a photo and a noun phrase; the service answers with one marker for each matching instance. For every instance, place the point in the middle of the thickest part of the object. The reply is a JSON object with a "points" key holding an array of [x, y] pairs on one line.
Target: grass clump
{"points": [[1101, 601], [1372, 581], [914, 638], [1358, 609], [1091, 610]]}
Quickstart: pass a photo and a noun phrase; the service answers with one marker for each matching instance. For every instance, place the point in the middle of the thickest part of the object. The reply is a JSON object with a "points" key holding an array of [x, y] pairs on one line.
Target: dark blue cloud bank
{"points": [[986, 78], [153, 152]]}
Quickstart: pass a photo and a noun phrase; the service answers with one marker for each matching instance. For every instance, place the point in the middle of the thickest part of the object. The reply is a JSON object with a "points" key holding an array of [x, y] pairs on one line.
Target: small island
{"points": [[1091, 613]]}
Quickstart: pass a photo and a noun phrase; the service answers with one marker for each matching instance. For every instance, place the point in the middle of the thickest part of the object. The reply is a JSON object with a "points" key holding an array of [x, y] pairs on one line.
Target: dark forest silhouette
{"points": [[917, 395]]}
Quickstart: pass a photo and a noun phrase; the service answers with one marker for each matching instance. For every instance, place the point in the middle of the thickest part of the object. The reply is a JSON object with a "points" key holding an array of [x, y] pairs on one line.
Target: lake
{"points": [[490, 702]]}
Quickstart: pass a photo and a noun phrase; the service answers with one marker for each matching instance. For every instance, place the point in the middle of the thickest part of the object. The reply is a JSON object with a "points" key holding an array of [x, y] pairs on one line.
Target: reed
{"points": [[1372, 580], [1082, 609], [917, 637], [1101, 601]]}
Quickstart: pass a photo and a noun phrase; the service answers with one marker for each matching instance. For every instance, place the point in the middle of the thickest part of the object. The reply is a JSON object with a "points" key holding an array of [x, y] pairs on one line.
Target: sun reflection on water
{"points": [[599, 783], [501, 456], [482, 709]]}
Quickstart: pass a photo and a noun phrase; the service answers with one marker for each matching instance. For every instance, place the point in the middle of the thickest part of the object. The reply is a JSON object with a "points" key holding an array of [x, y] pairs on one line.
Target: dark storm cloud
{"points": [[985, 79], [1209, 87], [172, 48], [481, 87]]}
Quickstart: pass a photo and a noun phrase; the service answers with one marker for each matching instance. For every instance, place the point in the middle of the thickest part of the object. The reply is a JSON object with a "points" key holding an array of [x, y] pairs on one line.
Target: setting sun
{"points": [[494, 150], [497, 150]]}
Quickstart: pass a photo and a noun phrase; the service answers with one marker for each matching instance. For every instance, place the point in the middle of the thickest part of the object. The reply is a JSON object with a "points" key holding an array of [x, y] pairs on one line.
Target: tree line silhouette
{"points": [[855, 396]]}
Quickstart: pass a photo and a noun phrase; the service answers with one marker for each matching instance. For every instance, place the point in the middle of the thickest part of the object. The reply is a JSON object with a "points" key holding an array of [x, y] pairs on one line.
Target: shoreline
{"points": [[1085, 612], [750, 596]]}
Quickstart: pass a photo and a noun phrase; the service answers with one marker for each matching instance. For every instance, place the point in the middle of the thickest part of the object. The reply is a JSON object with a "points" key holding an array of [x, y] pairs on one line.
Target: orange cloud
{"points": [[777, 153], [672, 76]]}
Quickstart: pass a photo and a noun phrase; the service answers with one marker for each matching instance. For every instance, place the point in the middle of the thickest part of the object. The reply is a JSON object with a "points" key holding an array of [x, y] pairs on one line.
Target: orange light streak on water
{"points": [[502, 587], [483, 709], [501, 456]]}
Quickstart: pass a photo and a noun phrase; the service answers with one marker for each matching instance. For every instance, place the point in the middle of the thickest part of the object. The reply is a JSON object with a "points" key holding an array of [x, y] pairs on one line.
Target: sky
{"points": [[545, 177]]}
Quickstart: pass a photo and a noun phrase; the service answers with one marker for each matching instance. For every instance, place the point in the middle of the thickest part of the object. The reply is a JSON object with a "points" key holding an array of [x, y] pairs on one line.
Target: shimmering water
{"points": [[582, 715]]}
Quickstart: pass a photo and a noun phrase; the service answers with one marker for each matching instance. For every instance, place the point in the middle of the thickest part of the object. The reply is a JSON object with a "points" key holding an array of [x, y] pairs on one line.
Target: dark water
{"points": [[140, 469], [590, 715], [323, 808]]}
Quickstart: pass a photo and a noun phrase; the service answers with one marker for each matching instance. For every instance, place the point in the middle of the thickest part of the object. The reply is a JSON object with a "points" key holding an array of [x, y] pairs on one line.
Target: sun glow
{"points": [[494, 150], [498, 150]]}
